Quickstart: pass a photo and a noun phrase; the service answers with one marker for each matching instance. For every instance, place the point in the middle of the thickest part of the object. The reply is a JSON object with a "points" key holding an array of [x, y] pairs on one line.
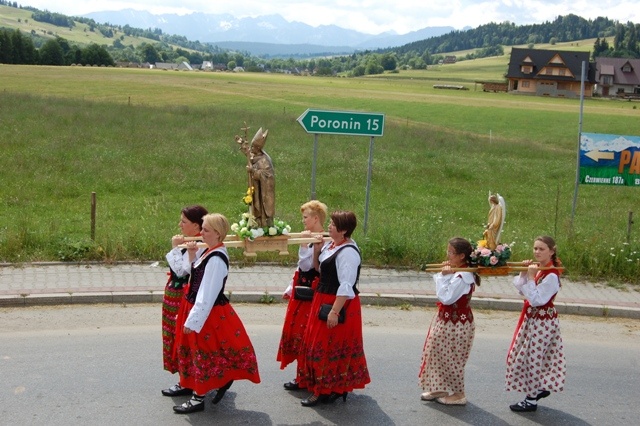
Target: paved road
{"points": [[63, 283], [102, 365]]}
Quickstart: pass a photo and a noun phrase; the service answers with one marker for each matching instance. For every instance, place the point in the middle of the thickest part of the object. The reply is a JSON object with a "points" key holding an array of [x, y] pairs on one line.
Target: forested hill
{"points": [[562, 29]]}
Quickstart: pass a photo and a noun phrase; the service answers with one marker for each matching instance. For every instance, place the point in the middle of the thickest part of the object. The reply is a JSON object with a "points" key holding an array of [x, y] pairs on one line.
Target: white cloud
{"points": [[372, 16], [604, 142]]}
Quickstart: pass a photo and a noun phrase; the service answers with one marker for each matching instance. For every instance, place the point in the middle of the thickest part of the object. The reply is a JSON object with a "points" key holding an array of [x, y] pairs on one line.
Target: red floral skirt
{"points": [[170, 305], [293, 330], [334, 359], [220, 352]]}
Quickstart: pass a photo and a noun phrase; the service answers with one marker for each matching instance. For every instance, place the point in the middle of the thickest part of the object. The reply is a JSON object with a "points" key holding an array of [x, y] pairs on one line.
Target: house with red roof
{"points": [[618, 77]]}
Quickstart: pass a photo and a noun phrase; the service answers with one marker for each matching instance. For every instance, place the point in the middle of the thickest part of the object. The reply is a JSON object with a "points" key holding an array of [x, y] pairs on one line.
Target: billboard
{"points": [[609, 159]]}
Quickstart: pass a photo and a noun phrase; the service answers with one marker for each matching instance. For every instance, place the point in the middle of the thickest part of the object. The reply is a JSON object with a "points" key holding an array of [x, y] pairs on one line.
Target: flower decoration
{"points": [[248, 228], [483, 256], [248, 198]]}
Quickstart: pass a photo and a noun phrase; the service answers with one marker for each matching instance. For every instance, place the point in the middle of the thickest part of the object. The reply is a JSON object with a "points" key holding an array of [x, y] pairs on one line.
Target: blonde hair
{"points": [[218, 223], [315, 208]]}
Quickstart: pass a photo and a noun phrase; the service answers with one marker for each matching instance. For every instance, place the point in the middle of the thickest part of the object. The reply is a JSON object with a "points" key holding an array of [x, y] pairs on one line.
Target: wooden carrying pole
{"points": [[489, 268], [440, 265], [235, 241]]}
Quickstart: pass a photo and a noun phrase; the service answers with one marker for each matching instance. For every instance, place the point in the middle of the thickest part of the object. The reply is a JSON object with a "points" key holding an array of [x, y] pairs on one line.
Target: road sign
{"points": [[609, 159], [342, 122]]}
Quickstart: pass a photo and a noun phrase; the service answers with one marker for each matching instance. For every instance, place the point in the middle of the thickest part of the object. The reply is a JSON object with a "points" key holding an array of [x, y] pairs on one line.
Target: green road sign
{"points": [[342, 122]]}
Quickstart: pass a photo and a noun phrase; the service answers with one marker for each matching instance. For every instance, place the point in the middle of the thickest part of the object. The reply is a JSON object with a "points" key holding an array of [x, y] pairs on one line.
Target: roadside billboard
{"points": [[609, 159]]}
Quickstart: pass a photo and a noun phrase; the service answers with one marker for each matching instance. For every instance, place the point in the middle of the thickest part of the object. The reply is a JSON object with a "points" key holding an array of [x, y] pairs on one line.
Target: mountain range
{"points": [[269, 35]]}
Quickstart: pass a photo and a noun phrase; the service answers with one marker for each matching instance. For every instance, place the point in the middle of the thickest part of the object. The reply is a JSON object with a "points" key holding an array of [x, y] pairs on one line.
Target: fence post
{"points": [[93, 216]]}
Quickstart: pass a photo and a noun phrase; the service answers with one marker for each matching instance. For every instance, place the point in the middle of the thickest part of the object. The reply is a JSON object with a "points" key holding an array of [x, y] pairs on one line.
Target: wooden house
{"points": [[554, 73], [618, 77]]}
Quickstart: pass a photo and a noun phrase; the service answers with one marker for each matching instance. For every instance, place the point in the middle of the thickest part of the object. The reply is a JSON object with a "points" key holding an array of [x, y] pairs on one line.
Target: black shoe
{"points": [[176, 390], [292, 385], [523, 407], [191, 406], [334, 395], [313, 400], [221, 392], [542, 394]]}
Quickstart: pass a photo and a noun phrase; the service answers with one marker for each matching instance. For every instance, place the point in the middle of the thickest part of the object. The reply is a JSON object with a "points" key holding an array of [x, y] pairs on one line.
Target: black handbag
{"points": [[303, 293], [325, 308]]}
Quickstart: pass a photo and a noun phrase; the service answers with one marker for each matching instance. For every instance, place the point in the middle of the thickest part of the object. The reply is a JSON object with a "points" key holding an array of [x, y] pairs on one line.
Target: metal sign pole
{"points": [[577, 183], [313, 167], [366, 205]]}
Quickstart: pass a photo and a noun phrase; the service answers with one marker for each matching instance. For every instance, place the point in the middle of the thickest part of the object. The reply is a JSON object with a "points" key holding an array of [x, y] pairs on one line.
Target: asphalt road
{"points": [[102, 364]]}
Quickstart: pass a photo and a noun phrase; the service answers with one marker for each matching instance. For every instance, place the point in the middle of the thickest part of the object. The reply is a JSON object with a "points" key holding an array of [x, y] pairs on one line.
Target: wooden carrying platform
{"points": [[277, 243], [489, 270]]}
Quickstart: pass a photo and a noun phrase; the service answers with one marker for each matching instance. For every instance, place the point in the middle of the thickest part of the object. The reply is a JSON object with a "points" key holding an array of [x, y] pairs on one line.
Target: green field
{"points": [[149, 142], [11, 17]]}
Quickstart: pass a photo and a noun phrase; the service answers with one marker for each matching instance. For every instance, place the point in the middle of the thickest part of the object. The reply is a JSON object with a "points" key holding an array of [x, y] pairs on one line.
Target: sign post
{"points": [[348, 123]]}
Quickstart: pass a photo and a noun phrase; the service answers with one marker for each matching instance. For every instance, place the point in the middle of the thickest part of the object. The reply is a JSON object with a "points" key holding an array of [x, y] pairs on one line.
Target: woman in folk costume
{"points": [[305, 279], [450, 337], [334, 360], [179, 269], [535, 363], [212, 345]]}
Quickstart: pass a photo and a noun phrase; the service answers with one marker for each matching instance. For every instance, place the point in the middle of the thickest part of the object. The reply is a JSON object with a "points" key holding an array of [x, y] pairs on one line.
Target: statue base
{"points": [[278, 243], [493, 271]]}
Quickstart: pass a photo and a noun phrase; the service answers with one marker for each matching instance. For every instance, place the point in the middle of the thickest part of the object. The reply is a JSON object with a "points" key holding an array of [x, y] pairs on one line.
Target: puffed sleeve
{"points": [[347, 262], [451, 287], [210, 288], [540, 294], [179, 261], [305, 257]]}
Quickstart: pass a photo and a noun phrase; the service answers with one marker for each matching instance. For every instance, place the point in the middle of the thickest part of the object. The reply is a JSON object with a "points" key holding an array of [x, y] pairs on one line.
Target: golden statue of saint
{"points": [[495, 221]]}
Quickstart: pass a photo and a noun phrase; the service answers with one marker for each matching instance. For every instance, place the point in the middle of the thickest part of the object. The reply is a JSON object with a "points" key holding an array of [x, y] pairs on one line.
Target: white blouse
{"points": [[305, 263], [540, 294], [451, 287], [347, 262], [210, 287], [179, 262]]}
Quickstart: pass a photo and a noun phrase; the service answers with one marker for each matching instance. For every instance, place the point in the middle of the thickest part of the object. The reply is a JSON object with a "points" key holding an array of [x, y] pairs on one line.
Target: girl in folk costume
{"points": [[535, 363], [305, 279], [212, 346], [179, 269], [334, 360], [450, 337]]}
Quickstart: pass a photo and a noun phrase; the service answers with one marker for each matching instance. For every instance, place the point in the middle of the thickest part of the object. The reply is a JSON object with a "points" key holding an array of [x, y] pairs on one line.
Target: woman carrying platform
{"points": [[450, 337], [334, 359], [535, 363], [212, 346], [300, 294], [179, 270]]}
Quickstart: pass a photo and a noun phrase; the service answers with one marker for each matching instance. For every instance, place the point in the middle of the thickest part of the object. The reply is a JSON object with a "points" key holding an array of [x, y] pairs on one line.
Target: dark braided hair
{"points": [[463, 246]]}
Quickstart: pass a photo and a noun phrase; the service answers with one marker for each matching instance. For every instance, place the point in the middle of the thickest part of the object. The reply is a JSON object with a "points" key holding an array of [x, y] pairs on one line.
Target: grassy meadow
{"points": [[11, 17], [149, 142]]}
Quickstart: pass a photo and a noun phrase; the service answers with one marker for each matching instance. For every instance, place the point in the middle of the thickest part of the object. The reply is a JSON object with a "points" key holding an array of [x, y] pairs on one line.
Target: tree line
{"points": [[485, 40], [15, 48]]}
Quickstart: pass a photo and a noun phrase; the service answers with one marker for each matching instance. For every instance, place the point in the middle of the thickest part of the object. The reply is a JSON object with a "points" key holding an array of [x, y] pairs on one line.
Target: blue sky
{"points": [[370, 16]]}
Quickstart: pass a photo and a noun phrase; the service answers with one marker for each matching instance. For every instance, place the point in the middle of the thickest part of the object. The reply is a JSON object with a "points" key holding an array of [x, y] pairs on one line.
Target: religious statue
{"points": [[261, 178], [495, 223]]}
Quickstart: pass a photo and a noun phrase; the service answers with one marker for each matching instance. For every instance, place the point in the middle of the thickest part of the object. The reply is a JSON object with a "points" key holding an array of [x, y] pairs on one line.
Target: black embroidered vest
{"points": [[305, 278], [197, 273], [329, 283]]}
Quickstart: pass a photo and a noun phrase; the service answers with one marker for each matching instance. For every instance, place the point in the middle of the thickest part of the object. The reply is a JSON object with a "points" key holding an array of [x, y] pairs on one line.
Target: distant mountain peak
{"points": [[266, 29]]}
